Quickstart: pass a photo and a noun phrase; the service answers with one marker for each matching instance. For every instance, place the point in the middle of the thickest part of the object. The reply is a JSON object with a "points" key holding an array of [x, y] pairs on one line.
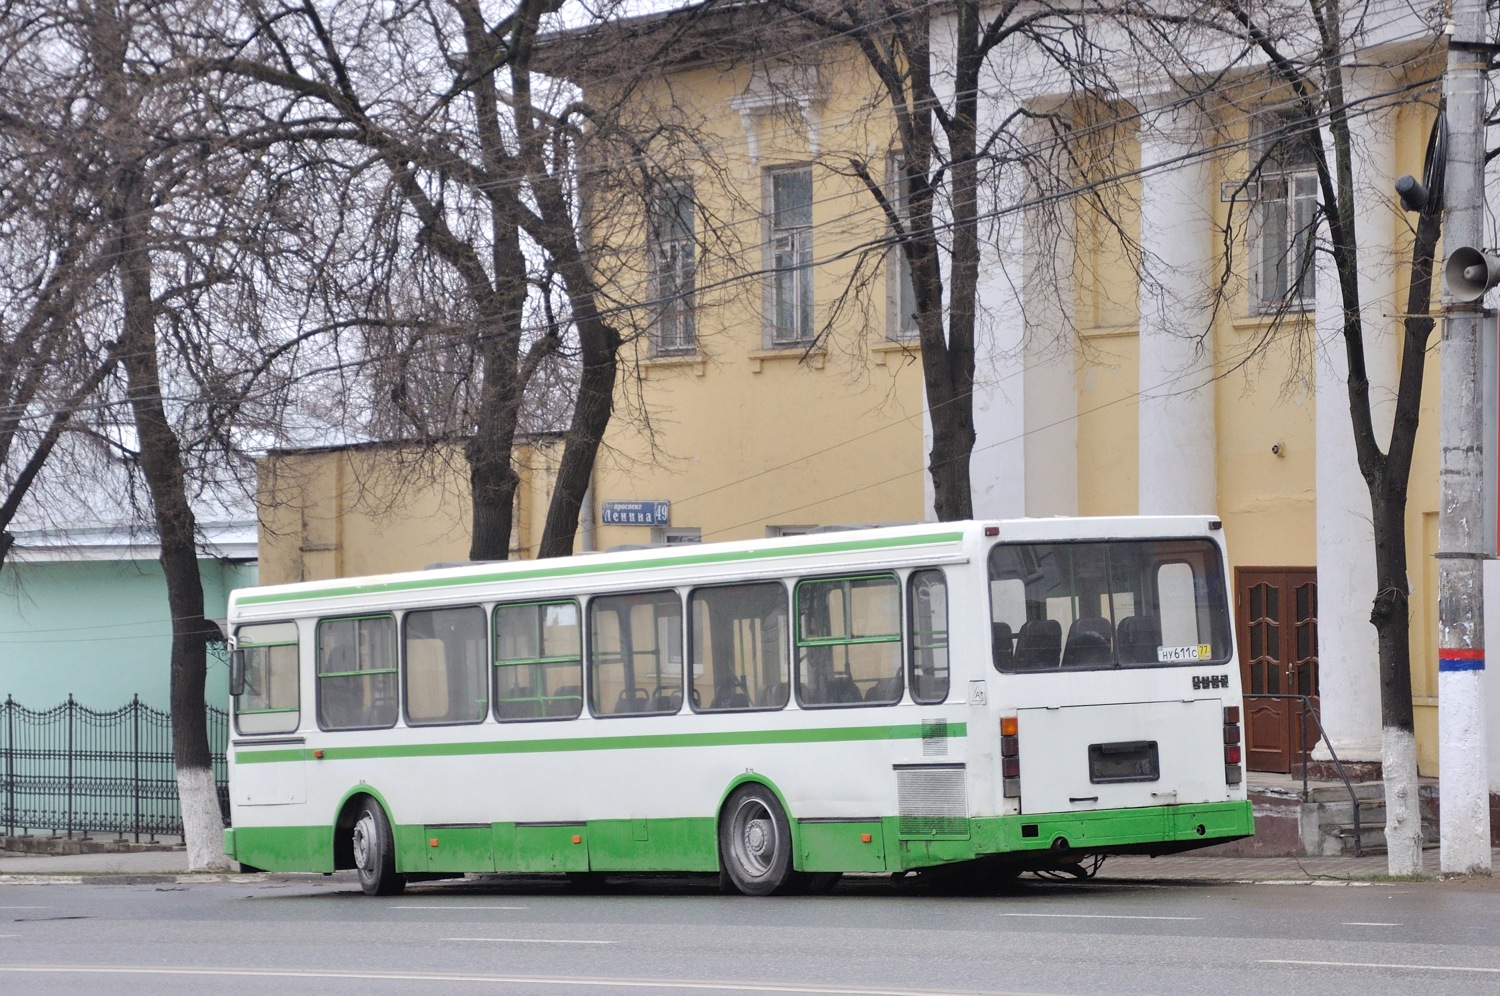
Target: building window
{"points": [[674, 269], [791, 256], [1284, 220], [676, 535], [902, 323]]}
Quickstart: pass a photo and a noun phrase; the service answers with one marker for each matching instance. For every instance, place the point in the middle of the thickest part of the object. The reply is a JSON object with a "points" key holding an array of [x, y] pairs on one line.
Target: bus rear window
{"points": [[1123, 603]]}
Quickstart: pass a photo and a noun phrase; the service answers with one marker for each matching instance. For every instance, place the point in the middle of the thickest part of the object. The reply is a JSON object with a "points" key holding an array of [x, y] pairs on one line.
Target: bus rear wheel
{"points": [[375, 852], [755, 842]]}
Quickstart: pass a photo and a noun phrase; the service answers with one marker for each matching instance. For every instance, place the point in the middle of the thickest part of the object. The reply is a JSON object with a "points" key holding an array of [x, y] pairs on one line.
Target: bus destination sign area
{"points": [[635, 513]]}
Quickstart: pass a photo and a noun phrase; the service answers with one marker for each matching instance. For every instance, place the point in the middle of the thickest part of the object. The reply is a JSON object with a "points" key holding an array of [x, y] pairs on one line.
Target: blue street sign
{"points": [[635, 513]]}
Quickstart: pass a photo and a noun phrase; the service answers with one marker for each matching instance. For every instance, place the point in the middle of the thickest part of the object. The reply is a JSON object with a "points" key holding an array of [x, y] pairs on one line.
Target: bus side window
{"points": [[927, 597], [269, 702], [446, 654], [849, 641], [635, 654], [738, 642], [357, 673], [538, 661]]}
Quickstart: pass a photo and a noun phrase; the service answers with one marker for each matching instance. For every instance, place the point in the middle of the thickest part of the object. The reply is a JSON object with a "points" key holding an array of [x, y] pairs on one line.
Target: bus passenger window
{"points": [[270, 701], [927, 613], [739, 646], [446, 654], [849, 641], [635, 654], [538, 661], [357, 673]]}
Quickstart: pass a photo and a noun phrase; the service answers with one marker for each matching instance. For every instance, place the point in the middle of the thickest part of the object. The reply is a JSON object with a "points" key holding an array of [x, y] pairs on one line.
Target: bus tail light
{"points": [[1010, 757], [1234, 770]]}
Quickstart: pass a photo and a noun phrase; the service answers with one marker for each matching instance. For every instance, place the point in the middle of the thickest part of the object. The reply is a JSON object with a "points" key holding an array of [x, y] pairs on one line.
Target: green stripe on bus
{"points": [[910, 731], [691, 843], [563, 568]]}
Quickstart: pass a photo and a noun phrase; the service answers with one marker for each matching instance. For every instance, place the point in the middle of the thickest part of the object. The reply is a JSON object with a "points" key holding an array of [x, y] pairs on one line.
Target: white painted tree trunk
{"points": [[202, 821], [1403, 816]]}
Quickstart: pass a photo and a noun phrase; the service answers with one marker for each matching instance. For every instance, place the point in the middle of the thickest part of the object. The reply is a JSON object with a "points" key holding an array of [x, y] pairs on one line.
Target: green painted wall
{"points": [[99, 630]]}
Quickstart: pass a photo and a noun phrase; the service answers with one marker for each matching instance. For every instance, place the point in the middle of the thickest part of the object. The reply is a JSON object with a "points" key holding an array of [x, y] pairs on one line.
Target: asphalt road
{"points": [[680, 936]]}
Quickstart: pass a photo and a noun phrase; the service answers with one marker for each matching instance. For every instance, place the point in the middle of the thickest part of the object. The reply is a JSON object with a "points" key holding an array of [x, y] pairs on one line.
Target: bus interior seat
{"points": [[1039, 644], [1089, 643], [1139, 640], [516, 703], [730, 694], [566, 701], [632, 700], [666, 700], [773, 694], [885, 690], [1004, 644], [842, 690]]}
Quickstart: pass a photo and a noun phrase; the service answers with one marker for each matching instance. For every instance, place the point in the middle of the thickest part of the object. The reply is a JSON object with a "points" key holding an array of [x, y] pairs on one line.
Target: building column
{"points": [[1050, 361], [1348, 655], [999, 467], [1177, 444]]}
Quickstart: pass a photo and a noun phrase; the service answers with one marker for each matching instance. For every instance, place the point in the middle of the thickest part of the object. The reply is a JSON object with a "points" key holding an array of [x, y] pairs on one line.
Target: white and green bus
{"points": [[1013, 695]]}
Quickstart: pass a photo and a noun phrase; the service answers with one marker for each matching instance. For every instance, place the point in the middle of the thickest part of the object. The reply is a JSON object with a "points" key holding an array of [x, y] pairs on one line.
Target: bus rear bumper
{"points": [[1150, 830]]}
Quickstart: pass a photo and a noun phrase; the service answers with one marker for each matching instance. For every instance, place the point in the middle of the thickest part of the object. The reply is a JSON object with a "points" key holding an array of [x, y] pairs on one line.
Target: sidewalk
{"points": [[172, 864]]}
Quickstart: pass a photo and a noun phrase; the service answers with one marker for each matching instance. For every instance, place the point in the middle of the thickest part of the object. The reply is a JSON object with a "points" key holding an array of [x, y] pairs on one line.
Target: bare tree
{"points": [[166, 234], [1307, 50], [480, 153]]}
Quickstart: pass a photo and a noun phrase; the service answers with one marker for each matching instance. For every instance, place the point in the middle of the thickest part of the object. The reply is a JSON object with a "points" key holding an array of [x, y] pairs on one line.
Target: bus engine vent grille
{"points": [[935, 738], [931, 801]]}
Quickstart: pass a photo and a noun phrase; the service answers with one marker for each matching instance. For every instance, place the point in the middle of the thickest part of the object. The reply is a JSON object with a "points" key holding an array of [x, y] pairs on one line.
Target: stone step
{"points": [[1371, 812], [1338, 793]]}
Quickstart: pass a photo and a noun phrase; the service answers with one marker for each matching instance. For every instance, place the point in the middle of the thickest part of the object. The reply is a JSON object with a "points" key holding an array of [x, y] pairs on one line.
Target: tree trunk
{"points": [[492, 477], [161, 466], [591, 414]]}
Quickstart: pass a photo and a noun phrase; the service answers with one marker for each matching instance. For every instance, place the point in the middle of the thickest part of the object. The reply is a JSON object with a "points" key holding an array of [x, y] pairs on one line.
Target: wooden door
{"points": [[1276, 610]]}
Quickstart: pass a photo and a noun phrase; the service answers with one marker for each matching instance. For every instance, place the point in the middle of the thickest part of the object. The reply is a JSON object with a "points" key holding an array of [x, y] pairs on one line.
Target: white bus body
{"points": [[1017, 694]]}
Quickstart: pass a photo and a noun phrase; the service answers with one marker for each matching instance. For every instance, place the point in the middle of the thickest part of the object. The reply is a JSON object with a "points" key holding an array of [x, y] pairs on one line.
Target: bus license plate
{"points": [[1131, 761]]}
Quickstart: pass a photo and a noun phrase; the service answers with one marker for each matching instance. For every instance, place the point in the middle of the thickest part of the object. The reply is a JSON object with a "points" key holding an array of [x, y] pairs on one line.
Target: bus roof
{"points": [[698, 562]]}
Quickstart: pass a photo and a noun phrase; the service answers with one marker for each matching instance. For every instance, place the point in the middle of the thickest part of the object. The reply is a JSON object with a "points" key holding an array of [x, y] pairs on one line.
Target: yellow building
{"points": [[378, 508], [779, 389]]}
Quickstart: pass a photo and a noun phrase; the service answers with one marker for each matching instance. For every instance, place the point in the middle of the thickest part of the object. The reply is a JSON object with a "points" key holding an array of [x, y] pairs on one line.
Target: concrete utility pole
{"points": [[1463, 766]]}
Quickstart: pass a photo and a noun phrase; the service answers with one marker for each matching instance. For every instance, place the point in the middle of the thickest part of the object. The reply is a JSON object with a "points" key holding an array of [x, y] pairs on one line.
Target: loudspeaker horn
{"points": [[1470, 272]]}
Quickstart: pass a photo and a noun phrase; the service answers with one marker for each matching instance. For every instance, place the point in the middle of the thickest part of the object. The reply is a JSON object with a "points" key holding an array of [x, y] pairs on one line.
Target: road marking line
{"points": [[1381, 964], [1101, 916], [535, 980], [460, 907], [526, 940], [1359, 923]]}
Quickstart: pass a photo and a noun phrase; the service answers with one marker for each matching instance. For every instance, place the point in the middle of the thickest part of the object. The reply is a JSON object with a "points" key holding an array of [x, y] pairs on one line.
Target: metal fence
{"points": [[74, 770]]}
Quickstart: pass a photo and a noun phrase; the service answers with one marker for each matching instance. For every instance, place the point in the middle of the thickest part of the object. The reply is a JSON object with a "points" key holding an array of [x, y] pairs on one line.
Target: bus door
{"points": [[264, 686]]}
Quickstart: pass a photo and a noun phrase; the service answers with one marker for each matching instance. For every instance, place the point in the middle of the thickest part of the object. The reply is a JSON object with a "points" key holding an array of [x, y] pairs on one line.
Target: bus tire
{"points": [[375, 852], [755, 842]]}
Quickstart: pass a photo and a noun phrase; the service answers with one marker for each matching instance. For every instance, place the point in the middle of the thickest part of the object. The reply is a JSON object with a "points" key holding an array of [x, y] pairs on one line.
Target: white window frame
{"points": [[1284, 215], [789, 266], [901, 292], [674, 269]]}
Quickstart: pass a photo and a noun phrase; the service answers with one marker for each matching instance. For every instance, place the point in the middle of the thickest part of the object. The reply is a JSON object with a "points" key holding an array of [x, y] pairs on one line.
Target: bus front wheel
{"points": [[375, 852], [755, 842]]}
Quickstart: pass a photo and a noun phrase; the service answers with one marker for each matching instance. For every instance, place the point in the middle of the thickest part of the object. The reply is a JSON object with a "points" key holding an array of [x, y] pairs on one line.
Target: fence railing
{"points": [[75, 770]]}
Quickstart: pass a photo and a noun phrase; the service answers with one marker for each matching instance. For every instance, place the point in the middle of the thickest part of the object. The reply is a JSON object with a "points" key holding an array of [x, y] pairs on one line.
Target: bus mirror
{"points": [[236, 672]]}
